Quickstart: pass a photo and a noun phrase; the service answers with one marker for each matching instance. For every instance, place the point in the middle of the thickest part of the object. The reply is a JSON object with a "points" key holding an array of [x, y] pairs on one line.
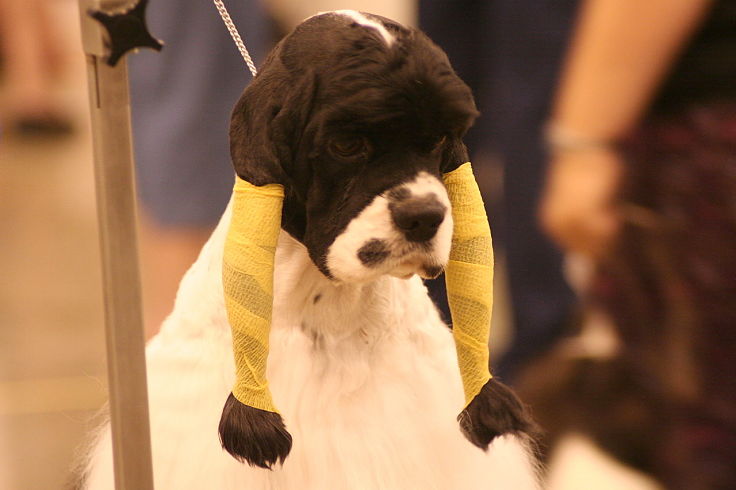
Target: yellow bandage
{"points": [[469, 278], [247, 277]]}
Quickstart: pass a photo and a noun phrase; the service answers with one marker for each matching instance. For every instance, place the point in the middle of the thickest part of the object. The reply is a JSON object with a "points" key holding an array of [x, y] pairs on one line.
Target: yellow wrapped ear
{"points": [[247, 277], [469, 279]]}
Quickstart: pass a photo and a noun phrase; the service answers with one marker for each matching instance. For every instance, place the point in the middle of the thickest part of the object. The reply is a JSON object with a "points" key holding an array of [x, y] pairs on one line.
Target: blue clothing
{"points": [[510, 52], [181, 101]]}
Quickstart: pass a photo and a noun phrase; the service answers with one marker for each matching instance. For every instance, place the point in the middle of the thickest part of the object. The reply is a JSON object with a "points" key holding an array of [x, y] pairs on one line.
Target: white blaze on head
{"points": [[361, 19]]}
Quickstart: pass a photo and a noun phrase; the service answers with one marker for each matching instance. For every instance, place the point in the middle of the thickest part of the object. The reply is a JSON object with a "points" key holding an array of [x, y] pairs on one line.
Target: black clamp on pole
{"points": [[126, 30]]}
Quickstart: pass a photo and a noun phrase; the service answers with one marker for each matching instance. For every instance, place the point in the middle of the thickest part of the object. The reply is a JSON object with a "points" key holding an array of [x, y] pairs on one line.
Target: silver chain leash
{"points": [[236, 37]]}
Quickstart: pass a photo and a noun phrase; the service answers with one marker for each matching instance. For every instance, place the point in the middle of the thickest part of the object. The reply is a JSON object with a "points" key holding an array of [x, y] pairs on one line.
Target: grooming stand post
{"points": [[109, 29]]}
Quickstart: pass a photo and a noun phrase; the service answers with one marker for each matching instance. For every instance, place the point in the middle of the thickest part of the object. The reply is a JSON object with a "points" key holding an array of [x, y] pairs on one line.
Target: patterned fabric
{"points": [[669, 285]]}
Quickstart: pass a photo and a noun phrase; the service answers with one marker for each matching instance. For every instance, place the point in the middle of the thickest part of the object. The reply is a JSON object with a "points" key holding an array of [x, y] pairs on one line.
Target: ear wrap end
{"points": [[251, 428], [493, 412], [253, 436]]}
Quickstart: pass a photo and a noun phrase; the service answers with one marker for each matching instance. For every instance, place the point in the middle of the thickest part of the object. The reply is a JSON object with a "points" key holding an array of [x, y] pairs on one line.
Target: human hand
{"points": [[577, 208]]}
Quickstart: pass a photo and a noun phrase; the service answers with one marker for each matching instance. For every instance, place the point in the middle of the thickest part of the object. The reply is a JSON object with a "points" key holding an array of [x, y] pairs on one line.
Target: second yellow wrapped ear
{"points": [[469, 279]]}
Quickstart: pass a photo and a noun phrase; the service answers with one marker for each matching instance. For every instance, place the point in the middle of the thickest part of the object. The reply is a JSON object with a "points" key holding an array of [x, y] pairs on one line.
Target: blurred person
{"points": [[613, 70], [31, 56], [642, 182], [181, 101], [510, 52]]}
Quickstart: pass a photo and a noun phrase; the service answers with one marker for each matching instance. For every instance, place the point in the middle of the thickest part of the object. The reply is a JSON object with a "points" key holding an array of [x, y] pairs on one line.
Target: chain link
{"points": [[236, 37]]}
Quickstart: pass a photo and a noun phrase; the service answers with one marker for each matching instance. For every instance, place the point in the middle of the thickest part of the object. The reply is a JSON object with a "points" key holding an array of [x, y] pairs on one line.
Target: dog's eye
{"points": [[349, 148]]}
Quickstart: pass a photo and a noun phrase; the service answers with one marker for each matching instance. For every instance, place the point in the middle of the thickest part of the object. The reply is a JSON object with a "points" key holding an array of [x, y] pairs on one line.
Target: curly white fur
{"points": [[365, 376]]}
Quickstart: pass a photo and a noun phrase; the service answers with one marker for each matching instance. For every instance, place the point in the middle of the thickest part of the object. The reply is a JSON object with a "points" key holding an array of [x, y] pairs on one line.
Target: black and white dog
{"points": [[359, 116]]}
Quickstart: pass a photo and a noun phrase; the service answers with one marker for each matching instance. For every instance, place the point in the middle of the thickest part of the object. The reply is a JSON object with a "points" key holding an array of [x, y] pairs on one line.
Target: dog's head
{"points": [[357, 117]]}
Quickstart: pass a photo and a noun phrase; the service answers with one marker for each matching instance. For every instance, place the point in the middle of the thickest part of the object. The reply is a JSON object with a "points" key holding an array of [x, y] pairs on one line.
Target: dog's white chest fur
{"points": [[365, 377]]}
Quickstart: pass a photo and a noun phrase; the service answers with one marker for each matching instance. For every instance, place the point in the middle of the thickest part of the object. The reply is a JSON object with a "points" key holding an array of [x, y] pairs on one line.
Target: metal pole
{"points": [[115, 189]]}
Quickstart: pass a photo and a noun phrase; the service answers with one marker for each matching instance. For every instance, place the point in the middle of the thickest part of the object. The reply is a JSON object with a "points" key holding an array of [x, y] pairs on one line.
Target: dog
{"points": [[358, 116]]}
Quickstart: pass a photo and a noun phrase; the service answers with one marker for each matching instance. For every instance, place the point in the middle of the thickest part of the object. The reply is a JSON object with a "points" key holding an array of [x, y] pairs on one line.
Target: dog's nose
{"points": [[418, 218]]}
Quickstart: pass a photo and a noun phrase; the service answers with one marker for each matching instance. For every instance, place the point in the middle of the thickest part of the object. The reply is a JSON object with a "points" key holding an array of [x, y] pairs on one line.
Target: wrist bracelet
{"points": [[561, 139]]}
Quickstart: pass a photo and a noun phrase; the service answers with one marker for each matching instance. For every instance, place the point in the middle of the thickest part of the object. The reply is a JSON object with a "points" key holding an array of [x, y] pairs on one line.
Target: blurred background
{"points": [[606, 153]]}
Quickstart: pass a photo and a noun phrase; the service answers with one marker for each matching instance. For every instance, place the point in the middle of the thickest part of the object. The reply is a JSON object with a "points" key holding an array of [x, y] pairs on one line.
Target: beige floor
{"points": [[51, 338], [52, 362]]}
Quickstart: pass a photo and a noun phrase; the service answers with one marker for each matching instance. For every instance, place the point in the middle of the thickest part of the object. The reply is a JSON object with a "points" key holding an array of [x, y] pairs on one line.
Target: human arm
{"points": [[620, 53]]}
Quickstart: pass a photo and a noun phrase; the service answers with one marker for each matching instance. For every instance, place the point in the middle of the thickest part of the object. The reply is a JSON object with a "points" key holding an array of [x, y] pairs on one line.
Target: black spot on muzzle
{"points": [[373, 252]]}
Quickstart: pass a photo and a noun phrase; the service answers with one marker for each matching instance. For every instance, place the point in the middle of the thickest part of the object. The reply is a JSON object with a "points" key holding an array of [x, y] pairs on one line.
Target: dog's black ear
{"points": [[253, 436], [496, 411], [454, 155], [267, 122]]}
